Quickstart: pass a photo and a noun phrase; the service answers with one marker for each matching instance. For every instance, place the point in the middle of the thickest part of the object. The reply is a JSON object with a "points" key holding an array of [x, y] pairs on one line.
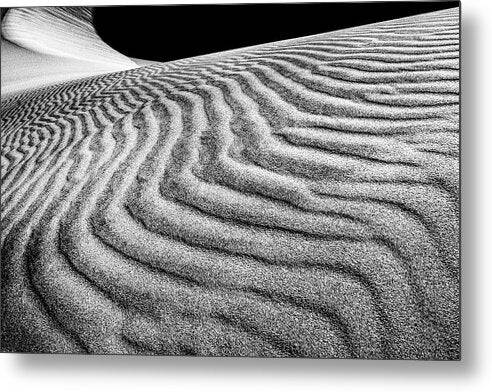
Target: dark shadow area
{"points": [[164, 33]]}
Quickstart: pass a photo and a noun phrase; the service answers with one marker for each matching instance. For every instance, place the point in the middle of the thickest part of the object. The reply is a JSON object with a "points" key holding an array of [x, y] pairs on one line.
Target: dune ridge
{"points": [[298, 198], [43, 46]]}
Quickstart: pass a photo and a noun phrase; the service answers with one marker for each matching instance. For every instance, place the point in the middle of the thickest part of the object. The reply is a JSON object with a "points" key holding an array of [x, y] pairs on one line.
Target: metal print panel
{"points": [[296, 196]]}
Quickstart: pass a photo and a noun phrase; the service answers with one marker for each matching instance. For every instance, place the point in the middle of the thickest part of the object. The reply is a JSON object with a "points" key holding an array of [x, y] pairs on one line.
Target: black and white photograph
{"points": [[295, 198], [233, 181]]}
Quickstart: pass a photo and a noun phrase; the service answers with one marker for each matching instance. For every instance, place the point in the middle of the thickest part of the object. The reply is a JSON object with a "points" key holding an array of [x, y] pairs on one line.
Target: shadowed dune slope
{"points": [[299, 198]]}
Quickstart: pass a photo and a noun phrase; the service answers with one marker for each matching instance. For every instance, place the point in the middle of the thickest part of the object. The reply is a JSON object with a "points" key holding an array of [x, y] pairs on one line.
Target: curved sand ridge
{"points": [[299, 198], [47, 45]]}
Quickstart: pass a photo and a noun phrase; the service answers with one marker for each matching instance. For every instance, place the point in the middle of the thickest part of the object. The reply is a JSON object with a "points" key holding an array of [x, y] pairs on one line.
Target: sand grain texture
{"points": [[299, 198]]}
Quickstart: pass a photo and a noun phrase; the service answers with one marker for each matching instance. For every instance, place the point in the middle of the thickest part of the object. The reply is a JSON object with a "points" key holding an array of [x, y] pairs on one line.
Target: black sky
{"points": [[164, 33]]}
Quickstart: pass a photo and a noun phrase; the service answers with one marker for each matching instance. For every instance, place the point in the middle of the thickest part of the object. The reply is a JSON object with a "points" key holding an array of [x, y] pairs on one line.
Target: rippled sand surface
{"points": [[298, 198]]}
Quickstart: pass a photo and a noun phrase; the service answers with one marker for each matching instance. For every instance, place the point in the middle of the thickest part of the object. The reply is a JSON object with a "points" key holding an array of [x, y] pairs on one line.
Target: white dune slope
{"points": [[299, 198], [43, 46]]}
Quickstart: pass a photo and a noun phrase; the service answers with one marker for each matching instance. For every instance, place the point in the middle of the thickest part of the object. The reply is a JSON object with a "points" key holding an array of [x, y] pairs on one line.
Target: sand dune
{"points": [[47, 45], [299, 198]]}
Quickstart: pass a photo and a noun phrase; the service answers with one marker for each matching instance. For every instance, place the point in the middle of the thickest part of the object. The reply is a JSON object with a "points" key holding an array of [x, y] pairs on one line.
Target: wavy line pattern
{"points": [[299, 198]]}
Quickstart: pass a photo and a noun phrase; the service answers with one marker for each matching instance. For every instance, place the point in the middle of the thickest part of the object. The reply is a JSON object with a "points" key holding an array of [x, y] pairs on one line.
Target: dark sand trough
{"points": [[299, 198]]}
